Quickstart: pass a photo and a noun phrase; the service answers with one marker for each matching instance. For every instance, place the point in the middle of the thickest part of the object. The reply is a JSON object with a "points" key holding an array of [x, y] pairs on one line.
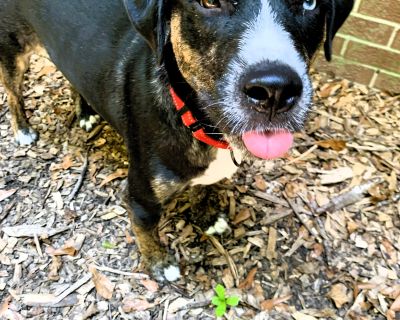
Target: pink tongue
{"points": [[268, 145]]}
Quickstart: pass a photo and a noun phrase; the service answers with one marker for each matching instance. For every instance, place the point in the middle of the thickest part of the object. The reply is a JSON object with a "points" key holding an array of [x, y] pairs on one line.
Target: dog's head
{"points": [[247, 60]]}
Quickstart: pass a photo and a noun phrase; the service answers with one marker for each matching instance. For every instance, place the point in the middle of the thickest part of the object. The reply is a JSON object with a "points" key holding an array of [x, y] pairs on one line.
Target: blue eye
{"points": [[309, 5]]}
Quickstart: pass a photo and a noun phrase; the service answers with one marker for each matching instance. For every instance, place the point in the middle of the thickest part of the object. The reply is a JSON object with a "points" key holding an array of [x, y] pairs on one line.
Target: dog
{"points": [[192, 86]]}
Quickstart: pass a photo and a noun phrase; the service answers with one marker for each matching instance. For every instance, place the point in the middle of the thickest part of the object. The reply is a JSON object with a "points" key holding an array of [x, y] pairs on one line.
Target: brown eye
{"points": [[210, 4]]}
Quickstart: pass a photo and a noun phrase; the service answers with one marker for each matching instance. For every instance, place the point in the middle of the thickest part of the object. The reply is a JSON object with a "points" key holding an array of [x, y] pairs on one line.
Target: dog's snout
{"points": [[272, 88]]}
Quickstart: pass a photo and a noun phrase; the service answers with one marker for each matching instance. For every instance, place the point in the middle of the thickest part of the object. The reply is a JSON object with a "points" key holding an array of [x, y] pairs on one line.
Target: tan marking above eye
{"points": [[190, 63]]}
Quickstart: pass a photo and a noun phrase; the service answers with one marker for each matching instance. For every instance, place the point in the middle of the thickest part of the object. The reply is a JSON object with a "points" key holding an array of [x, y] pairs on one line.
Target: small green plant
{"points": [[108, 245], [221, 302]]}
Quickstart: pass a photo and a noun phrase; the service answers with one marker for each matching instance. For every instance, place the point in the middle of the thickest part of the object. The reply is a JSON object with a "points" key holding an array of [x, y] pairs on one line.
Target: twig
{"points": [[231, 263], [50, 300], [49, 190], [7, 210], [270, 198], [320, 228], [165, 313], [303, 155], [74, 287], [138, 276], [2, 113], [78, 184], [352, 196], [387, 162], [95, 131], [276, 217], [298, 215], [194, 305], [37, 243]]}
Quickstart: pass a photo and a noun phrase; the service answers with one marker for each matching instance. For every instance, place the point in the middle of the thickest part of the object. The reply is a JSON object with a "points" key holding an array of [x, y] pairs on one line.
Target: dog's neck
{"points": [[186, 105]]}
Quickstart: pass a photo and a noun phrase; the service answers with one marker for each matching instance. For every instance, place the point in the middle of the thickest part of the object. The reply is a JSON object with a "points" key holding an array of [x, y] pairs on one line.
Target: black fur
{"points": [[118, 55]]}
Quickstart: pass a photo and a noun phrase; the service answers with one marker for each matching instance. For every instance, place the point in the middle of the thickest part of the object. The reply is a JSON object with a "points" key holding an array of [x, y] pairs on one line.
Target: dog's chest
{"points": [[221, 167]]}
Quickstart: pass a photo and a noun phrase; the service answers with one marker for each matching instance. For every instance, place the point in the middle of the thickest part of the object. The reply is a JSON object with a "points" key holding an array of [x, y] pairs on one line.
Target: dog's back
{"points": [[72, 32]]}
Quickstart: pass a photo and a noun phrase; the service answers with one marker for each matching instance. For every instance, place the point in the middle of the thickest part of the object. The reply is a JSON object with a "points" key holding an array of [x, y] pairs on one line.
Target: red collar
{"points": [[193, 124]]}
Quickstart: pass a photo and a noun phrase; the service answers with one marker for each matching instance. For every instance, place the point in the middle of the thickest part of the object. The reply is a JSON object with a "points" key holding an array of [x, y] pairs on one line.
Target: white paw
{"points": [[172, 273], [219, 227], [26, 136], [88, 124]]}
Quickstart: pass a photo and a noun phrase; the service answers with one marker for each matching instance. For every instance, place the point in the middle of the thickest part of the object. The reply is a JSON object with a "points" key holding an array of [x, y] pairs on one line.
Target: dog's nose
{"points": [[272, 88]]}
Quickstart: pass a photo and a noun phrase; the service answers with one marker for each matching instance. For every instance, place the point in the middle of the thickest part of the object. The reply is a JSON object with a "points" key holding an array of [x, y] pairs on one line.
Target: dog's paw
{"points": [[87, 123], [166, 270], [26, 136]]}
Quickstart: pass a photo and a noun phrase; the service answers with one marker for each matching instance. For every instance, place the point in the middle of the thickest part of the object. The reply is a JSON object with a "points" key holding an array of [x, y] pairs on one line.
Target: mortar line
{"points": [[376, 20], [392, 37]]}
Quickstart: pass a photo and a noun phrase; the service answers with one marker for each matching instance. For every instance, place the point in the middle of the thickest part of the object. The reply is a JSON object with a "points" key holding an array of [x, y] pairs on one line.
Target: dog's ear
{"points": [[148, 18], [336, 16]]}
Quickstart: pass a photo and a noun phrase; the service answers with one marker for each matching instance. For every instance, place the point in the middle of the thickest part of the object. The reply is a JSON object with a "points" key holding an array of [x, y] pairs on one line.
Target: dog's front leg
{"points": [[144, 211]]}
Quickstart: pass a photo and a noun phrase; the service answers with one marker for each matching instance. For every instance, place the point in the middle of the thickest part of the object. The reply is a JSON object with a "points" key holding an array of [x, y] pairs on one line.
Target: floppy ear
{"points": [[336, 16], [148, 18]]}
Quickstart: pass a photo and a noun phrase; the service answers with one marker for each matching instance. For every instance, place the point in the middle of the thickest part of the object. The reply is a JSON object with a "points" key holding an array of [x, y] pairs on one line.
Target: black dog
{"points": [[191, 83]]}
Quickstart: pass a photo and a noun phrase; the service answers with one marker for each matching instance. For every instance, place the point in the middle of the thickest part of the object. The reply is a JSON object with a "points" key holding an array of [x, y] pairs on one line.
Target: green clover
{"points": [[222, 302]]}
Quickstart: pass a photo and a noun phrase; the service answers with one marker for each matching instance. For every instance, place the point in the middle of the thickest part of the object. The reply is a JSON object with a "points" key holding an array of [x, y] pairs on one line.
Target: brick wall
{"points": [[367, 48]]}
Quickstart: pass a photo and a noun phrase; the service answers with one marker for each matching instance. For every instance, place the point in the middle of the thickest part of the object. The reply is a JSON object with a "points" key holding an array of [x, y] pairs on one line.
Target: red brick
{"points": [[379, 58], [388, 83], [387, 9], [396, 43], [367, 30], [344, 69], [337, 45]]}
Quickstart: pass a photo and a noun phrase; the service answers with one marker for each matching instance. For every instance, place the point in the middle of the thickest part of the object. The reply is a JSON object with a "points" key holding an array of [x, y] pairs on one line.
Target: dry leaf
{"points": [[248, 282], [177, 304], [260, 183], [6, 313], [63, 251], [394, 309], [38, 298], [46, 70], [4, 194], [4, 306], [64, 165], [392, 180], [269, 304], [328, 89], [128, 237], [130, 304], [336, 175], [31, 230], [70, 247], [336, 145], [339, 294], [271, 247], [243, 215], [120, 173], [389, 251], [53, 269], [227, 279], [104, 286], [150, 285]]}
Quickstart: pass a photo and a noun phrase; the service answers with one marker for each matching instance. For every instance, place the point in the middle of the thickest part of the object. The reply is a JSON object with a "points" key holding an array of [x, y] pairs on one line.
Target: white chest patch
{"points": [[220, 168]]}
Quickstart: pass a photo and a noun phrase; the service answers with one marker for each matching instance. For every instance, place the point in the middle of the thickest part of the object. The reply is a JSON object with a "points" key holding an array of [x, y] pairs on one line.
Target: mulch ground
{"points": [[312, 236]]}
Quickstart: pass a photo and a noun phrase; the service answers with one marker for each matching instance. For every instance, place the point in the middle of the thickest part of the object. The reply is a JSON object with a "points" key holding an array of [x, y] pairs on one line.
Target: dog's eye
{"points": [[210, 4], [309, 4]]}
